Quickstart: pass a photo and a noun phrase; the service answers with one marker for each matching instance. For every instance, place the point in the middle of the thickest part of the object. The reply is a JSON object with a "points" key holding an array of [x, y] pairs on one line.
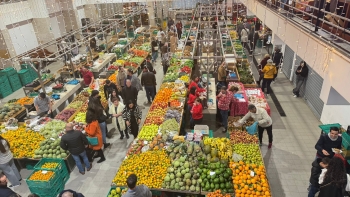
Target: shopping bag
{"points": [[252, 129], [92, 141]]}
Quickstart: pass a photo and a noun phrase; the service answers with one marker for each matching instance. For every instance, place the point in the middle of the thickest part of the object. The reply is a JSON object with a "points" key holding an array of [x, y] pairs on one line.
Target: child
{"points": [[317, 166], [197, 113]]}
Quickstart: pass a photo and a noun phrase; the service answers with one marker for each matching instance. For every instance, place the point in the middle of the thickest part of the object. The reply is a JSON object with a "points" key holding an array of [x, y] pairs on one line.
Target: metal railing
{"points": [[318, 20]]}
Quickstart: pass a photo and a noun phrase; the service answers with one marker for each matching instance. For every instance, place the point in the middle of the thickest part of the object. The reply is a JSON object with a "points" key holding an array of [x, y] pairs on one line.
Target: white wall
{"points": [[332, 66], [336, 114], [55, 29], [14, 12], [38, 8], [23, 38], [53, 6]]}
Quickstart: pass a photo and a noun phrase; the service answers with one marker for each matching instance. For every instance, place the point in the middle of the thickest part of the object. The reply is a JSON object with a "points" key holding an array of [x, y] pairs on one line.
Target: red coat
{"points": [[93, 130], [197, 112], [195, 84], [191, 99]]}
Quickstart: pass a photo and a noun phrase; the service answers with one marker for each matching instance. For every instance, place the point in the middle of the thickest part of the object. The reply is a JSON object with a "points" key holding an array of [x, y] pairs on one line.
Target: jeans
{"points": [[11, 172], [266, 84], [154, 56], [78, 162], [313, 190], [300, 81], [103, 128], [224, 116], [149, 93], [269, 133]]}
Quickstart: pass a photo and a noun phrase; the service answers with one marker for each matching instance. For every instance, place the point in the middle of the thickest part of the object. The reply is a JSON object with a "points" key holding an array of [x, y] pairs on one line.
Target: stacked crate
{"points": [[5, 89], [25, 77], [33, 74], [55, 185], [13, 78]]}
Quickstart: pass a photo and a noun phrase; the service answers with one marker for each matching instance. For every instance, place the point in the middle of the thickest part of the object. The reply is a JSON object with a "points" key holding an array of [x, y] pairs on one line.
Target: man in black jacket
{"points": [[4, 190], [75, 142], [277, 58], [301, 72], [108, 88], [148, 80], [129, 92], [316, 170]]}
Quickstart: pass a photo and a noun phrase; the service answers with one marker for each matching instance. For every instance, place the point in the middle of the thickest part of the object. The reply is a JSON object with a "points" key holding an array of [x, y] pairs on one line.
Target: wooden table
{"points": [[27, 90]]}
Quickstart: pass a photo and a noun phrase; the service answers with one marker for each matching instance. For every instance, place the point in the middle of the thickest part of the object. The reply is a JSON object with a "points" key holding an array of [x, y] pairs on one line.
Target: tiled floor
{"points": [[288, 163]]}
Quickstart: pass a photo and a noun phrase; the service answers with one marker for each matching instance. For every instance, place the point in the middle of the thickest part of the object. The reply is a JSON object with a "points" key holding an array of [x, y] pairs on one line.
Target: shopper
{"points": [[244, 38], [112, 96], [129, 93], [170, 22], [96, 105], [277, 58], [7, 164], [333, 179], [194, 83], [302, 73], [93, 130], [75, 142], [148, 80], [327, 142], [121, 77], [316, 170], [116, 111], [165, 58], [197, 113], [269, 73], [262, 64], [135, 81], [179, 29], [261, 116], [88, 77], [173, 42], [132, 115], [154, 46], [70, 193], [191, 99], [136, 191], [222, 74], [4, 190], [163, 40], [240, 27], [159, 36], [224, 101], [108, 88], [43, 105]]}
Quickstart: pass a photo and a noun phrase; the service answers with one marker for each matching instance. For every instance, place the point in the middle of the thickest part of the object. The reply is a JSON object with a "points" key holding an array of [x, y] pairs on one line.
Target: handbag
{"points": [[93, 141], [155, 48]]}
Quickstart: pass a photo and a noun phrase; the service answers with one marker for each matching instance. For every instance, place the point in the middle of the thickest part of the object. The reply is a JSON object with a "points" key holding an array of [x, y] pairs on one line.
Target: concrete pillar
{"points": [[151, 14]]}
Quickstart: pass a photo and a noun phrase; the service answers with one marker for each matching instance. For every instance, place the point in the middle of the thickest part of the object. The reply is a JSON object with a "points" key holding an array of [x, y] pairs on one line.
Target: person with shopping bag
{"points": [[263, 120], [116, 111], [94, 134]]}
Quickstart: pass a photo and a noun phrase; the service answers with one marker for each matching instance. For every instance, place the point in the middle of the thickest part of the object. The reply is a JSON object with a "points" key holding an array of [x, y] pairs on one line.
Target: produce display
{"points": [[144, 165], [245, 75], [250, 152], [135, 148], [25, 101], [233, 34], [80, 117], [169, 125], [50, 149], [65, 114], [239, 136], [137, 60], [170, 77], [219, 148], [75, 104], [117, 192], [170, 114], [138, 53], [112, 67], [8, 110], [50, 165], [23, 143], [185, 78], [158, 142], [41, 176], [249, 179], [217, 193], [148, 132], [52, 129]]}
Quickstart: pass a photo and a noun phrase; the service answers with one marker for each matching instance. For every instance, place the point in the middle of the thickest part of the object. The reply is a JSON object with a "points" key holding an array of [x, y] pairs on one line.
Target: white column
{"points": [[151, 14], [292, 73]]}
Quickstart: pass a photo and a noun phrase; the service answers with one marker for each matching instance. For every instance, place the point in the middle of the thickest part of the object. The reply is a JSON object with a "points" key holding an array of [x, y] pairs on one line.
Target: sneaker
{"points": [[270, 145], [101, 160], [121, 137], [295, 96], [89, 168], [82, 173], [127, 137], [267, 95], [273, 81], [13, 186], [106, 145]]}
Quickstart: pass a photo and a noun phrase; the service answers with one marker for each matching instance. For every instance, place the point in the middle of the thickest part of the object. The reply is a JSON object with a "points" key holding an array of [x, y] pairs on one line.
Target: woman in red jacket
{"points": [[191, 98], [194, 83], [197, 113]]}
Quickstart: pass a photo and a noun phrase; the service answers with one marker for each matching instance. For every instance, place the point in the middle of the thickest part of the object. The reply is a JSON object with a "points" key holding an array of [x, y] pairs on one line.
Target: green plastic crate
{"points": [[16, 86], [8, 71], [60, 176], [326, 127], [155, 32], [61, 165], [33, 94], [346, 141], [5, 94], [3, 78], [25, 66], [48, 192]]}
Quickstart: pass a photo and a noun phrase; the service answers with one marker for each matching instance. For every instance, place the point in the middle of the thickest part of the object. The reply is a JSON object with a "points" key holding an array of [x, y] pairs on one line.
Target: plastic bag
{"points": [[252, 129], [236, 157]]}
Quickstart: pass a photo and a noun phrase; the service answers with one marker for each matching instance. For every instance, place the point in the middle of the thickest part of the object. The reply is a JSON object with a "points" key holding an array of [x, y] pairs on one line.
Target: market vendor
{"points": [[222, 75], [194, 83], [136, 191], [261, 116], [327, 142], [87, 76], [43, 105]]}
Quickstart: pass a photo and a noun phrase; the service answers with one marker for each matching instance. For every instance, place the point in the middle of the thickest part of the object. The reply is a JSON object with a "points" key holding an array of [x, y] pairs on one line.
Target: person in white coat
{"points": [[261, 116], [244, 38], [117, 119]]}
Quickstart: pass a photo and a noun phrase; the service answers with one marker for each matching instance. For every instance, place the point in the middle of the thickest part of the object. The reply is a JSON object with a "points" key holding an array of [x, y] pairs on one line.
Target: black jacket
{"points": [[329, 189], [277, 58], [75, 194], [108, 89], [327, 144], [74, 142], [148, 79], [6, 192], [129, 93], [315, 172], [304, 72]]}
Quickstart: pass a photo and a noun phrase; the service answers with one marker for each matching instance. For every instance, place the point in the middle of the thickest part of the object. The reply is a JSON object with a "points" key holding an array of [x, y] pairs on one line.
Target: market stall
{"points": [[240, 105], [257, 97], [101, 63]]}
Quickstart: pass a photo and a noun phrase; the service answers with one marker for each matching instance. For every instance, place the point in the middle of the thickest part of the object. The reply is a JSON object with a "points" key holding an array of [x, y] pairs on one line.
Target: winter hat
{"points": [[269, 61]]}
